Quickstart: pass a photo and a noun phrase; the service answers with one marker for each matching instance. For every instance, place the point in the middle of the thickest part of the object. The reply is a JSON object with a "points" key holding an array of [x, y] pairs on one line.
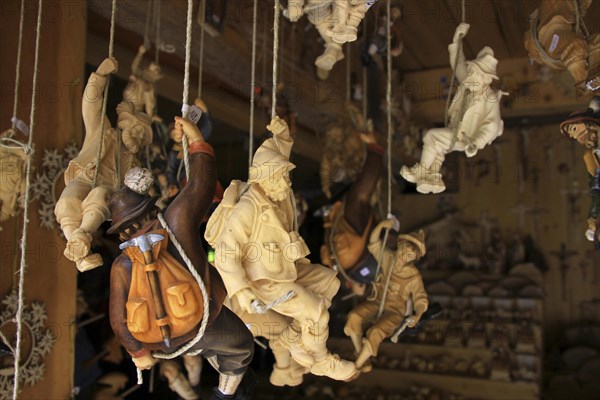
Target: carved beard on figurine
{"points": [[277, 188]]}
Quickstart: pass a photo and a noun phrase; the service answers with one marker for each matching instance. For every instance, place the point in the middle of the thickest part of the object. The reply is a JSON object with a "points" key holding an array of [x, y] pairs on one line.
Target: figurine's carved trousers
{"points": [[381, 328], [437, 143], [314, 288], [82, 207]]}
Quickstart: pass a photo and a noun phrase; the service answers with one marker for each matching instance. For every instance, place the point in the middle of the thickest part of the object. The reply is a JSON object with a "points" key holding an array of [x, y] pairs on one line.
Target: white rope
{"points": [[111, 45], [147, 26], [201, 58], [388, 97], [276, 12], [205, 298], [18, 69], [252, 86], [23, 265], [458, 51], [186, 84]]}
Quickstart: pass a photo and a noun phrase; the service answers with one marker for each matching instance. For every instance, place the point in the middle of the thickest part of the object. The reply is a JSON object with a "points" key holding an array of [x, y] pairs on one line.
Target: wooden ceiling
{"points": [[427, 29]]}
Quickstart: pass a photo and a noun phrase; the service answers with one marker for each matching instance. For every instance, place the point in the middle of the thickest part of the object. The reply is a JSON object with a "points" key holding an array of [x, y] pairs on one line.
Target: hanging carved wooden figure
{"points": [[165, 298], [262, 258], [12, 176], [398, 299], [474, 116], [83, 204], [559, 40], [140, 89], [584, 128]]}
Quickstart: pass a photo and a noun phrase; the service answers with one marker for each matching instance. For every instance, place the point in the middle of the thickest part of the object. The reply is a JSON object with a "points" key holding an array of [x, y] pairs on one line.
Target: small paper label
{"points": [[555, 39], [22, 126], [364, 271], [192, 113]]}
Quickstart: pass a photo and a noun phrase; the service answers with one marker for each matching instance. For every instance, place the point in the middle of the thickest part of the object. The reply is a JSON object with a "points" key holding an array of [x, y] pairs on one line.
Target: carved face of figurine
{"points": [[406, 253], [176, 135], [476, 79], [583, 134], [133, 133], [277, 185], [153, 73]]}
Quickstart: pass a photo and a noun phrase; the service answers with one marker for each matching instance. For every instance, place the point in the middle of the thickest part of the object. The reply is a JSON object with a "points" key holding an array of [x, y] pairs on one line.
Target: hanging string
{"points": [[388, 97], [458, 51], [348, 72], [364, 72], [18, 70], [158, 44], [23, 266], [201, 58], [111, 45], [186, 84], [147, 26], [276, 11], [252, 85]]}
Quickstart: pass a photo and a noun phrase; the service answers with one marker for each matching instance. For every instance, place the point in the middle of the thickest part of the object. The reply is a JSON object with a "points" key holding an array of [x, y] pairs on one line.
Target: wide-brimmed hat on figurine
{"points": [[486, 62], [268, 161], [415, 238], [132, 201], [590, 116]]}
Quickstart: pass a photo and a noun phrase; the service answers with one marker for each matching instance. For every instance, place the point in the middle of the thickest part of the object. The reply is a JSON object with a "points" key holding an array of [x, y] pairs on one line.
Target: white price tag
{"points": [[192, 113], [22, 126]]}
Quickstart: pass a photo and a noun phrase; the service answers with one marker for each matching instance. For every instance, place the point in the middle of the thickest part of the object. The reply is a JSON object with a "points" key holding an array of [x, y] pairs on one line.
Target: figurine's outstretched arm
{"points": [[282, 140], [455, 48], [137, 60], [375, 242], [91, 104]]}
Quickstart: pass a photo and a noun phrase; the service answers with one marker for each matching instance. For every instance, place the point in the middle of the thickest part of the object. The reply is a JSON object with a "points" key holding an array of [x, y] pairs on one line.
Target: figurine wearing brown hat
{"points": [[584, 127], [474, 116], [397, 290], [156, 303], [82, 206]]}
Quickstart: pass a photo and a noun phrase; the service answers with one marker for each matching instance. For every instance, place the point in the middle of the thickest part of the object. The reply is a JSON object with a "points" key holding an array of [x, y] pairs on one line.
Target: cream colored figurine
{"points": [[556, 39], [474, 115], [261, 257], [82, 207], [397, 288], [337, 22], [140, 89]]}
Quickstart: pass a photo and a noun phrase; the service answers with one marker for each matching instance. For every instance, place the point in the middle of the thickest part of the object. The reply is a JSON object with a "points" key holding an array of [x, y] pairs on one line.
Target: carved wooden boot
{"points": [[177, 381]]}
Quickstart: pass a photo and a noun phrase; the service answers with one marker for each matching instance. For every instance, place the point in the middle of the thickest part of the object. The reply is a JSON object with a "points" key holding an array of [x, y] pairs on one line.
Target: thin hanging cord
{"points": [[252, 85], [458, 50], [348, 72], [388, 97], [23, 266], [186, 84], [364, 72], [158, 44], [201, 58], [111, 45], [149, 10], [276, 10], [18, 69]]}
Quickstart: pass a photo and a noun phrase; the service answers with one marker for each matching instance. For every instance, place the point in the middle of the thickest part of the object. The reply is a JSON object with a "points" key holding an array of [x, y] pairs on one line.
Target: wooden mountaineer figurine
{"points": [[262, 258], [474, 114], [556, 41], [584, 128], [83, 206], [166, 315], [397, 290], [140, 89]]}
